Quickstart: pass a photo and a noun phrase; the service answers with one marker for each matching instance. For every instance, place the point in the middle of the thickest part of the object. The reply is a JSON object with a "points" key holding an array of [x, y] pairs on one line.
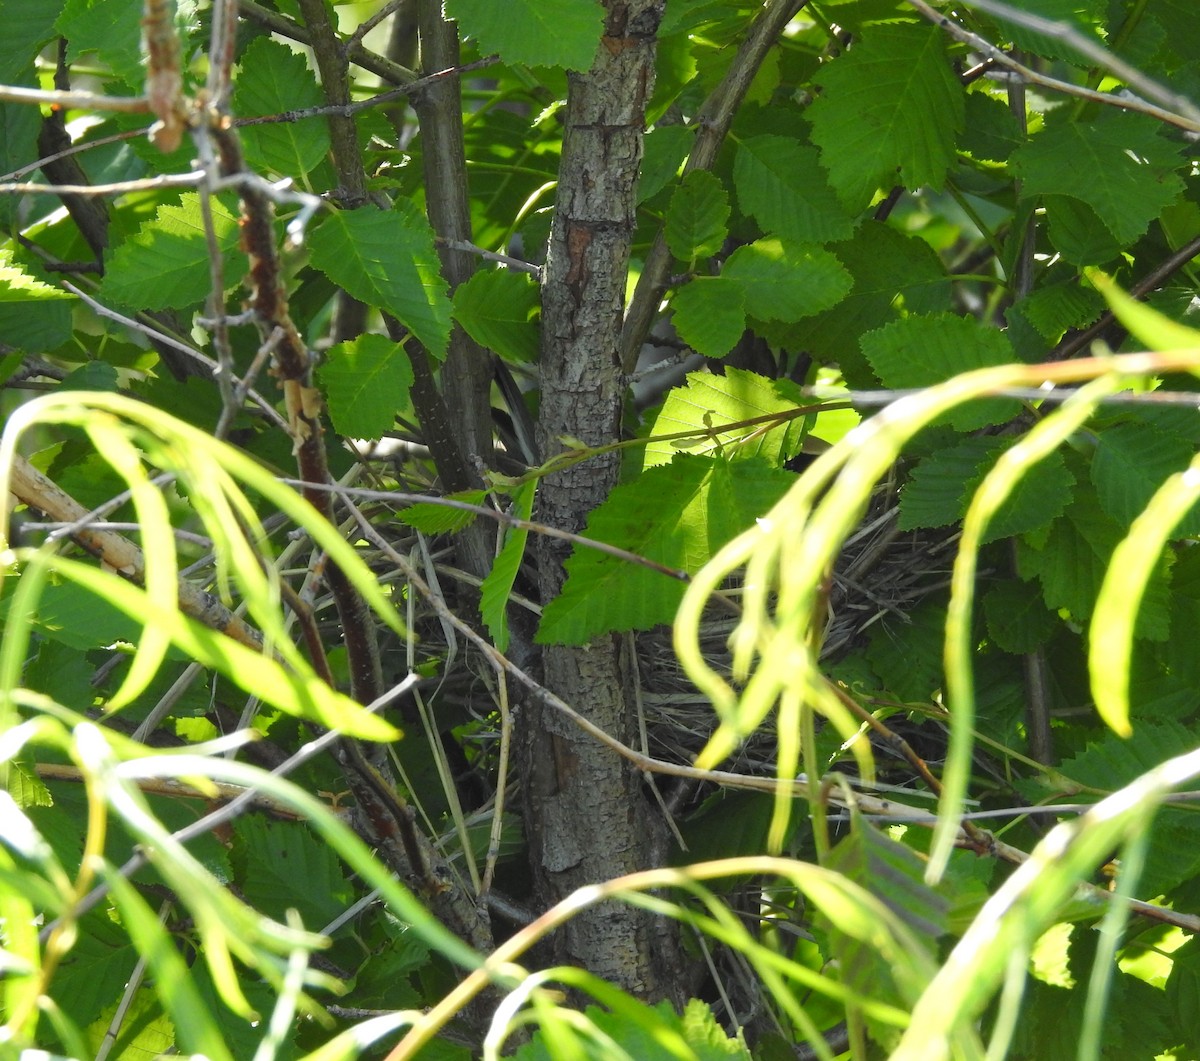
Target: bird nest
{"points": [[882, 573]]}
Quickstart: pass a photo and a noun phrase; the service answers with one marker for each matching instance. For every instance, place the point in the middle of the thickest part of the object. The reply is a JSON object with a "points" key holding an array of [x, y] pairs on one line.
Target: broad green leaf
{"points": [[921, 351], [1117, 164], [499, 309], [432, 518], [709, 402], [1130, 463], [1077, 232], [28, 25], [146, 1032], [165, 265], [991, 130], [1017, 618], [698, 217], [497, 586], [891, 103], [1052, 310], [784, 282], [709, 314], [386, 259], [907, 653], [275, 80], [111, 31], [1071, 562], [1085, 17], [291, 868], [16, 285], [892, 273], [678, 515], [782, 186], [942, 484], [534, 32], [72, 616], [664, 149], [102, 958], [366, 382]]}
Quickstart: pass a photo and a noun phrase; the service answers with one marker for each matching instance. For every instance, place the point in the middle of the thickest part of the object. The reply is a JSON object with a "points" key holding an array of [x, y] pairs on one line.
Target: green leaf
{"points": [[1131, 462], [274, 80], [498, 309], [907, 653], [366, 381], [781, 185], [386, 259], [1077, 232], [698, 217], [785, 282], [431, 518], [289, 866], [34, 316], [708, 402], [678, 515], [534, 32], [111, 31], [664, 149], [28, 26], [1117, 164], [497, 586], [1017, 619], [891, 273], [892, 102], [1070, 565], [922, 351], [1055, 308], [709, 315], [165, 264], [16, 285], [1085, 17]]}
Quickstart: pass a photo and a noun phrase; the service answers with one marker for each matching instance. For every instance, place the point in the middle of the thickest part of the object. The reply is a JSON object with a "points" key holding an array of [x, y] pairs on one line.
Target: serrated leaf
{"points": [[1054, 309], [28, 26], [497, 585], [678, 515], [892, 102], [1017, 618], [1077, 233], [16, 285], [664, 149], [1085, 17], [921, 351], [498, 309], [907, 655], [386, 259], [289, 866], [698, 217], [165, 265], [786, 281], [274, 80], [1130, 463], [112, 31], [146, 1033], [708, 402], [366, 381], [708, 314], [890, 272], [1071, 562], [782, 186], [991, 130], [431, 518], [1117, 164], [562, 33]]}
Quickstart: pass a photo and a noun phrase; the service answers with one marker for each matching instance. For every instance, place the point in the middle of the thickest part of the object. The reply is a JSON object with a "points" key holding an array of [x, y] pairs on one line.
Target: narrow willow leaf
{"points": [[1151, 327], [386, 259], [275, 80], [497, 586], [892, 102], [781, 184], [698, 217], [709, 315], [197, 1030], [707, 403], [1123, 591], [366, 382], [165, 265], [301, 694], [677, 515], [1117, 164], [535, 32], [498, 309]]}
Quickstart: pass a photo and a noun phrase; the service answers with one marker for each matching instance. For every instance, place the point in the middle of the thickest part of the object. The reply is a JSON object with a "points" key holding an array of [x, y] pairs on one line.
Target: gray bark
{"points": [[587, 818]]}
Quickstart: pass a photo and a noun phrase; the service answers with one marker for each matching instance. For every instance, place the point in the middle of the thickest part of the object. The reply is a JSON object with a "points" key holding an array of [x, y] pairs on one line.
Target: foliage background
{"points": [[802, 209]]}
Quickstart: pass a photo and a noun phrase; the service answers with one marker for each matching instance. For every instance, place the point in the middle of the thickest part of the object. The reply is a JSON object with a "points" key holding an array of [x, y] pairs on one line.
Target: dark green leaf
{"points": [[698, 216], [386, 259], [888, 112], [498, 309], [535, 32], [1017, 619], [1131, 462], [780, 183], [709, 315], [366, 382], [784, 282]]}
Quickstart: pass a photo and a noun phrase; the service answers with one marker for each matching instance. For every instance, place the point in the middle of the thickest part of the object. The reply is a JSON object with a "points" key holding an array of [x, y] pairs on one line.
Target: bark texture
{"points": [[587, 817]]}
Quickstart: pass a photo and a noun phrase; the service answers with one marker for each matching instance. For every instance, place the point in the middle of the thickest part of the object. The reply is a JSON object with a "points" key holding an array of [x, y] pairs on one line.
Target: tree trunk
{"points": [[587, 818]]}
